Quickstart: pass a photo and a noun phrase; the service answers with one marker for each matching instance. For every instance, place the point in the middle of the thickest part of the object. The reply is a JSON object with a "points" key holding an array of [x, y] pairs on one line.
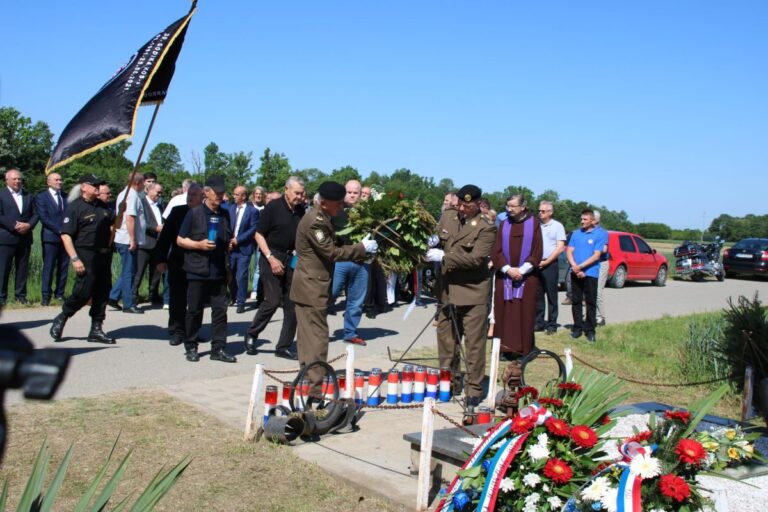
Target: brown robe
{"points": [[515, 319]]}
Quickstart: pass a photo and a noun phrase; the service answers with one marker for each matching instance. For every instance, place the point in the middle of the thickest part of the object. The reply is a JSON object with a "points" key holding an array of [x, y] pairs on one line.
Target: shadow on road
{"points": [[370, 333], [141, 332], [31, 324]]}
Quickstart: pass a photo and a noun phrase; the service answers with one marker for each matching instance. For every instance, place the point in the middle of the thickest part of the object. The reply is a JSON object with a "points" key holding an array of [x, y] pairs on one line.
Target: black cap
{"points": [[216, 182], [92, 179], [332, 191], [469, 193]]}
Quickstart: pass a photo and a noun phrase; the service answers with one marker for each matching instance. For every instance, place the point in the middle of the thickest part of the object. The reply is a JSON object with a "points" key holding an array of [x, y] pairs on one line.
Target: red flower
{"points": [[640, 437], [558, 471], [690, 451], [682, 416], [583, 436], [569, 386], [601, 467], [557, 427], [527, 390], [522, 425], [672, 486], [605, 419], [555, 402]]}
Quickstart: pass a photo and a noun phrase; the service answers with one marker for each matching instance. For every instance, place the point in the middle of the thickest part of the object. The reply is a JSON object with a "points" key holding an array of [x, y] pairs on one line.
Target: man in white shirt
{"points": [[127, 240], [244, 219], [17, 220], [153, 224], [553, 240], [178, 200]]}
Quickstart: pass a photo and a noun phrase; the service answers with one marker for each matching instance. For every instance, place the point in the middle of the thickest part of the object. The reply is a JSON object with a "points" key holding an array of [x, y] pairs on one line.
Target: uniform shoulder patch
{"points": [[66, 220], [319, 217], [319, 235]]}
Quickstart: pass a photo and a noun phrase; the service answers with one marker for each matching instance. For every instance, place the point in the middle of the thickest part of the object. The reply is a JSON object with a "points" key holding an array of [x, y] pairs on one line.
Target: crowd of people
{"points": [[497, 274]]}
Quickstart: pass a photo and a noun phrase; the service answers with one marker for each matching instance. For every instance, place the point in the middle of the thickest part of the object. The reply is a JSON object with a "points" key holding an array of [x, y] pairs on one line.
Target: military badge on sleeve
{"points": [[319, 235]]}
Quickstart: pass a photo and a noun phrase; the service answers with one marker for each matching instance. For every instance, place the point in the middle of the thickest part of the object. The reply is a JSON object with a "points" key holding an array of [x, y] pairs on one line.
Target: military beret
{"points": [[216, 182], [469, 193], [332, 191]]}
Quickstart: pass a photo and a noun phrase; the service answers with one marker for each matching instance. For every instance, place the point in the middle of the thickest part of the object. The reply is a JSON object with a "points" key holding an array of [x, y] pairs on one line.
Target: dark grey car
{"points": [[748, 257]]}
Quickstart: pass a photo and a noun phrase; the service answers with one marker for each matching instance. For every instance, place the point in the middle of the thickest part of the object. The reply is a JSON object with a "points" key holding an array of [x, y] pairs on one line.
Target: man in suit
{"points": [[153, 225], [244, 219], [17, 220], [49, 205]]}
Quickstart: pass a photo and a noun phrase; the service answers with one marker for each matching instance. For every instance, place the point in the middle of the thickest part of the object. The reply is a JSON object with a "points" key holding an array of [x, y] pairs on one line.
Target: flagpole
{"points": [[121, 207]]}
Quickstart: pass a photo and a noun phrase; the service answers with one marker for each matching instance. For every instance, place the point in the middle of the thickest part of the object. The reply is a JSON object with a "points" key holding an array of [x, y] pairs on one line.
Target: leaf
{"points": [[53, 489], [31, 494]]}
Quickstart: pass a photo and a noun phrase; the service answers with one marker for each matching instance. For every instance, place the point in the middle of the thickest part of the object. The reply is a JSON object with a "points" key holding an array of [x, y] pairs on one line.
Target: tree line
{"points": [[28, 145]]}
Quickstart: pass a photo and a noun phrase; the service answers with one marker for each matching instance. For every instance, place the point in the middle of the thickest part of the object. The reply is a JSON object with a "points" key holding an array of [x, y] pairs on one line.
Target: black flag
{"points": [[110, 116]]}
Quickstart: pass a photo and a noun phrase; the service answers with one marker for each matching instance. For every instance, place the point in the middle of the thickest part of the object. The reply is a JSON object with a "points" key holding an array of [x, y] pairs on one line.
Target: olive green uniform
{"points": [[317, 251], [465, 284]]}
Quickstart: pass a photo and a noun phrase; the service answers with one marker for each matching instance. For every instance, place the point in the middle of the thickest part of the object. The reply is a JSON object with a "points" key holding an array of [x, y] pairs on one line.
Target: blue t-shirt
{"points": [[603, 256], [584, 244]]}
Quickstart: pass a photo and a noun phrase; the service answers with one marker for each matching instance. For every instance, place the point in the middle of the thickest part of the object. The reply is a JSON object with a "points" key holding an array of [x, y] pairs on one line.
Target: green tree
{"points": [[165, 161], [312, 177], [25, 145], [656, 230], [215, 161], [108, 163], [344, 174], [239, 169], [446, 185], [274, 170]]}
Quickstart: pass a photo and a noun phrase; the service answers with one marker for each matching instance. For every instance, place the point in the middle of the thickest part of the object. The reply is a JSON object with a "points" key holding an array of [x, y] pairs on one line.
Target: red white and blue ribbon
{"points": [[629, 498], [498, 469], [490, 438], [540, 412]]}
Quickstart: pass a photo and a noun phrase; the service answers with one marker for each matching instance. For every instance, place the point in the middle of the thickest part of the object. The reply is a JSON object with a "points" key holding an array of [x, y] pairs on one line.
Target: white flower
{"points": [[543, 438], [531, 479], [507, 485], [596, 489], [531, 503], [555, 502], [538, 452], [545, 488], [609, 499], [656, 510], [645, 465]]}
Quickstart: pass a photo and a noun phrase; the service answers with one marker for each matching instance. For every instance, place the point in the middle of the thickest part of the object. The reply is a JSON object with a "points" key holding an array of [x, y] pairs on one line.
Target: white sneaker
{"points": [[253, 295], [166, 306]]}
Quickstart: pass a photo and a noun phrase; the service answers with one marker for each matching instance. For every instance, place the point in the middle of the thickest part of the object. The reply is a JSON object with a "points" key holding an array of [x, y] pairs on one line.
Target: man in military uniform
{"points": [[86, 236], [317, 252], [466, 239]]}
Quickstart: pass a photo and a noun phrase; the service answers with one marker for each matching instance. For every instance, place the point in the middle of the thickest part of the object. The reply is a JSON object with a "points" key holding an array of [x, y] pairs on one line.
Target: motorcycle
{"points": [[695, 261]]}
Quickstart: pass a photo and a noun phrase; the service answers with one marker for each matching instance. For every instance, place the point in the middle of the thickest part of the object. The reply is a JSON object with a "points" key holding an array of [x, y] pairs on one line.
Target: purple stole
{"points": [[514, 289]]}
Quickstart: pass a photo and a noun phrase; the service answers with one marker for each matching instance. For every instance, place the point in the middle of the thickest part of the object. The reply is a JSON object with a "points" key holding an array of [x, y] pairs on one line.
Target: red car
{"points": [[632, 259]]}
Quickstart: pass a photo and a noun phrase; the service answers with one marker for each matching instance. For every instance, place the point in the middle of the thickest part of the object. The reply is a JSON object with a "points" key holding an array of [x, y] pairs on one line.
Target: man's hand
{"points": [[132, 245], [79, 267], [206, 245], [514, 273], [277, 267], [370, 245], [435, 255], [22, 227], [161, 267]]}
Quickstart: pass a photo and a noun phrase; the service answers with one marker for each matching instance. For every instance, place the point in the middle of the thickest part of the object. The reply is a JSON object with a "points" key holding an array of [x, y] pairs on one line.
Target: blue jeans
{"points": [[354, 278], [124, 284], [256, 255]]}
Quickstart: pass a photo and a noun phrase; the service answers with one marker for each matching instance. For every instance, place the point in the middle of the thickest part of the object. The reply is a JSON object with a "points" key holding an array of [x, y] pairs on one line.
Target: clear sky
{"points": [[655, 107]]}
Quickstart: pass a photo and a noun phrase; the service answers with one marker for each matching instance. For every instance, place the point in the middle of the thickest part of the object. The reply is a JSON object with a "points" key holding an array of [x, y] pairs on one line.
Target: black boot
{"points": [[97, 335], [57, 329]]}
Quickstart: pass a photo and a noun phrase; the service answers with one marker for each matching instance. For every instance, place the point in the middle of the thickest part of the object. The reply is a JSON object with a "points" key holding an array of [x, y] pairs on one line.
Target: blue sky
{"points": [[657, 108]]}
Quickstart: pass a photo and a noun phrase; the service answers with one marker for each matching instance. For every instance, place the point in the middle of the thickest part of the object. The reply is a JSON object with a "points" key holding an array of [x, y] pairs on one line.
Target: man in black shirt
{"points": [[204, 235], [167, 255], [276, 237], [86, 236]]}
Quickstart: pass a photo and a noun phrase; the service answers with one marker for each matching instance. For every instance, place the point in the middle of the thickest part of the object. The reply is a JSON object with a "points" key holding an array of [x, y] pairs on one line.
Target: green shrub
{"points": [[699, 357], [745, 339]]}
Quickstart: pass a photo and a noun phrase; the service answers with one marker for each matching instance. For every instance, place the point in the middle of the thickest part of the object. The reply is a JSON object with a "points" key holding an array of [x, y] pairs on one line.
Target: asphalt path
{"points": [[142, 357]]}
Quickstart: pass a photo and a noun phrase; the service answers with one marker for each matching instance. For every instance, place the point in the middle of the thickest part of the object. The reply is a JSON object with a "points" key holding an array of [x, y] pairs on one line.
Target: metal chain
{"points": [[657, 384], [268, 372], [454, 422]]}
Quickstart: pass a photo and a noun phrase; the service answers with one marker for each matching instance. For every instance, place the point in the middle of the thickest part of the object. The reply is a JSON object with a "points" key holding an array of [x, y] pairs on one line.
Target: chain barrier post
{"points": [[349, 392], [493, 377], [425, 457], [257, 395], [568, 362]]}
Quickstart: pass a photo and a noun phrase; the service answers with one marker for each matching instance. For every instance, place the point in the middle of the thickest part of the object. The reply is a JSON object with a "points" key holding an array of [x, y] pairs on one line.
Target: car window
{"points": [[644, 247], [748, 244], [625, 244], [764, 245]]}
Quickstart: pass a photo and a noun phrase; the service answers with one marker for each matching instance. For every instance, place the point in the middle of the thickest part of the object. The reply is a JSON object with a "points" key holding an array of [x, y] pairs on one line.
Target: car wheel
{"points": [[696, 277], [619, 277], [721, 276], [661, 277]]}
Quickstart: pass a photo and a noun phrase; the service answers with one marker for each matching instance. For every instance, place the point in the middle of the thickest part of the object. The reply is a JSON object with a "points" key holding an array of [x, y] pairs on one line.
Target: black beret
{"points": [[332, 191], [92, 179], [469, 193], [216, 182]]}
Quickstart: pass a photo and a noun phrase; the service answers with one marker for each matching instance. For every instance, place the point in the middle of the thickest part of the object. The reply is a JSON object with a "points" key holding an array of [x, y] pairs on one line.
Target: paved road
{"points": [[378, 459]]}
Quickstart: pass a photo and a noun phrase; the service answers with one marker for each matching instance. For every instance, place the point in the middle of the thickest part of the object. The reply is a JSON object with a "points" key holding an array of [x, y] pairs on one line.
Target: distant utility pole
{"points": [[703, 224]]}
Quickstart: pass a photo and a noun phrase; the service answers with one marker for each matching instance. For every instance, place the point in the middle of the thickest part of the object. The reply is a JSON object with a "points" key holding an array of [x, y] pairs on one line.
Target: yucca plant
{"points": [[745, 339], [36, 498]]}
